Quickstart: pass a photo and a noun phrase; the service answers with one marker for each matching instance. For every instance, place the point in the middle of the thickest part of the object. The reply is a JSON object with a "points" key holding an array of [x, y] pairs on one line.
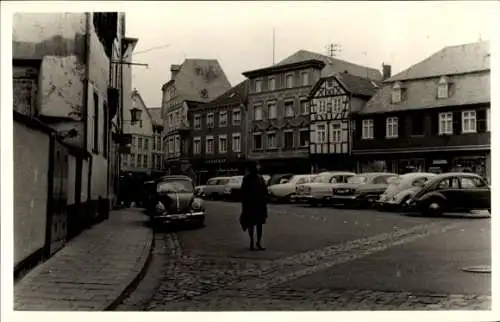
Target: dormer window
{"points": [[396, 93], [442, 88]]}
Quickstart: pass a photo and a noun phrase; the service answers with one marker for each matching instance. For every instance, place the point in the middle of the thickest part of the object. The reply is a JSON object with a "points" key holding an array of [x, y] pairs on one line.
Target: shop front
{"points": [[332, 162], [217, 167], [285, 165]]}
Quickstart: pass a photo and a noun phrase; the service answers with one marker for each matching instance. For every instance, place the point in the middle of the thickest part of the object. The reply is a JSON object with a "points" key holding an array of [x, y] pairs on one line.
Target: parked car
{"points": [[454, 191], [362, 190], [214, 188], [149, 195], [280, 178], [175, 202], [232, 189], [402, 189], [319, 190], [285, 191]]}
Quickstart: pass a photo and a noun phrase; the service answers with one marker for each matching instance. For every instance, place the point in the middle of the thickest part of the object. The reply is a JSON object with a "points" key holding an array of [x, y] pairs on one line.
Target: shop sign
{"points": [[440, 162]]}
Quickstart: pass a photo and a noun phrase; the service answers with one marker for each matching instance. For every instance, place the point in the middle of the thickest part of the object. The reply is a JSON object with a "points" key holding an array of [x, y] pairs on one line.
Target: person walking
{"points": [[253, 204]]}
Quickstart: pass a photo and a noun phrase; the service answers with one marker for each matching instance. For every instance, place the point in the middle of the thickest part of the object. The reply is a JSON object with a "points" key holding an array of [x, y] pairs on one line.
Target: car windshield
{"points": [[357, 179], [236, 180], [324, 178], [175, 186]]}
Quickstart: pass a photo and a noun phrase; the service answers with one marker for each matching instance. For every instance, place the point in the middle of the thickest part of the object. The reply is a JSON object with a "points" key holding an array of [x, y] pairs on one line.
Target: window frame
{"points": [[207, 145], [288, 86], [391, 127], [221, 124], [219, 143], [271, 80], [254, 135], [211, 124], [367, 125], [396, 95], [197, 143], [472, 119], [234, 121], [288, 103], [254, 114], [258, 89], [197, 121], [235, 136], [275, 143], [302, 78], [273, 104], [337, 131], [445, 117], [323, 132]]}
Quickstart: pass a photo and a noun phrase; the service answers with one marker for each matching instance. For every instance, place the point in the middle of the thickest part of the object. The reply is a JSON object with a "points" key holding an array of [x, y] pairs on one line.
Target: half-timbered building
{"points": [[331, 101]]}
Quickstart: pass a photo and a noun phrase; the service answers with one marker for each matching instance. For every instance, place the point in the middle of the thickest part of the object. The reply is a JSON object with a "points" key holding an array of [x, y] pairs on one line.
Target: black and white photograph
{"points": [[253, 156]]}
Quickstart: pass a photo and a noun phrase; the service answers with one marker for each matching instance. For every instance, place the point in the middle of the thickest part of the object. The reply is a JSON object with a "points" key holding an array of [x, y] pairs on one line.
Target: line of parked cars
{"points": [[416, 192]]}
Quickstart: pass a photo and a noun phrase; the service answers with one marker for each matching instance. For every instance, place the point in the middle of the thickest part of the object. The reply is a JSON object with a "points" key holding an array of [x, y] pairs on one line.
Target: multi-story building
{"points": [[218, 134], [156, 142], [195, 80], [66, 79], [139, 162], [331, 102], [278, 117], [433, 116]]}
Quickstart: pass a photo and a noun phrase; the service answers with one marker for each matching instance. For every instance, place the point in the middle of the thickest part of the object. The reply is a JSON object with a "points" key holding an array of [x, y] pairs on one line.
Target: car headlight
{"points": [[196, 204], [160, 207]]}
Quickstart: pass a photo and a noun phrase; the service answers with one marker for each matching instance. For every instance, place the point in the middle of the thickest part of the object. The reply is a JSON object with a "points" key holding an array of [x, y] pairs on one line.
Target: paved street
{"points": [[319, 259]]}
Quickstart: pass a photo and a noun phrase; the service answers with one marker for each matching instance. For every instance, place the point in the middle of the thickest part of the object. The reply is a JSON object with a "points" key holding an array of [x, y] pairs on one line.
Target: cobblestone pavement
{"points": [[92, 270], [208, 269]]}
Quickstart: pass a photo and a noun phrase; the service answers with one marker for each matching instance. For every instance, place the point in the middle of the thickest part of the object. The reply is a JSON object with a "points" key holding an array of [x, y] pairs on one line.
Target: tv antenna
{"points": [[332, 49]]}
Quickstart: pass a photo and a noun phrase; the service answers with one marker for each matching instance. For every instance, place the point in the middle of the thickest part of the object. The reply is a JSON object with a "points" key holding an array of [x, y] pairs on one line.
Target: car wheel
{"points": [[434, 207]]}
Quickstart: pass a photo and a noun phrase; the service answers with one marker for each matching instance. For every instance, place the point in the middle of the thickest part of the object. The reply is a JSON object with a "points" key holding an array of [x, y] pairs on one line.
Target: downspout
{"points": [[86, 103]]}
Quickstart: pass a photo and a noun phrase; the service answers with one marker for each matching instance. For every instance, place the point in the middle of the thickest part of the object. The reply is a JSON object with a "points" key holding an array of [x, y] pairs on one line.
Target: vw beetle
{"points": [[176, 203]]}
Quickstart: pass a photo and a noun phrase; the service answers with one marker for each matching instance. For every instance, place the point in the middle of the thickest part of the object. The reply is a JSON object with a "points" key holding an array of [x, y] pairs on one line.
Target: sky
{"points": [[240, 34]]}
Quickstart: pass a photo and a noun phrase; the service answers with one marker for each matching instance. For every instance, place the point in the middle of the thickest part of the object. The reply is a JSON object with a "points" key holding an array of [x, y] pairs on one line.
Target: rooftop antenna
{"points": [[332, 49], [274, 43]]}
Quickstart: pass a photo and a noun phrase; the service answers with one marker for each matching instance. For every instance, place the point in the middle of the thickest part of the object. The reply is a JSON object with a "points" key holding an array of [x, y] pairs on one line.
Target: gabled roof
{"points": [[451, 60], [357, 86], [135, 93], [237, 94], [155, 113], [196, 76], [333, 65]]}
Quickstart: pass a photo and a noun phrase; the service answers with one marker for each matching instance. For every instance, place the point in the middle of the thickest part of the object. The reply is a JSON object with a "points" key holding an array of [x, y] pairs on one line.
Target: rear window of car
{"points": [[175, 186]]}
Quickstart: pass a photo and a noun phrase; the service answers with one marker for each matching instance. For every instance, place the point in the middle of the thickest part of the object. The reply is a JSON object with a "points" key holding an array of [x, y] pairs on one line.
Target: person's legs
{"points": [[250, 233], [259, 236]]}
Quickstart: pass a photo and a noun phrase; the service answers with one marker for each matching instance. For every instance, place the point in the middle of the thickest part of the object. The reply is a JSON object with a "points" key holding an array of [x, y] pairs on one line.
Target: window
{"points": [[139, 144], [146, 143], [304, 109], [272, 83], [336, 132], [288, 139], [271, 141], [132, 160], [367, 129], [236, 116], [197, 145], [158, 143], [209, 148], [258, 85], [222, 144], [272, 112], [257, 141], [222, 119], [329, 107], [337, 104], [391, 127], [445, 123], [396, 93], [304, 137], [321, 133], [488, 116], [210, 120], [469, 183], [139, 160], [289, 81], [304, 78], [289, 112], [442, 88], [257, 112], [177, 144], [236, 144], [96, 123], [125, 160], [197, 121], [417, 124], [154, 144], [145, 161], [468, 121]]}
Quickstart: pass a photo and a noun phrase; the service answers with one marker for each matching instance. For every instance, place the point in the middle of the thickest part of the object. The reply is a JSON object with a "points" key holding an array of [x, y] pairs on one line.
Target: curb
{"points": [[130, 286]]}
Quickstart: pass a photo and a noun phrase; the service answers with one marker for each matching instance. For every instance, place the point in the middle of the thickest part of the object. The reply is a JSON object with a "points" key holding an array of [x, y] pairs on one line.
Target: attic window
{"points": [[442, 88], [396, 93], [204, 93]]}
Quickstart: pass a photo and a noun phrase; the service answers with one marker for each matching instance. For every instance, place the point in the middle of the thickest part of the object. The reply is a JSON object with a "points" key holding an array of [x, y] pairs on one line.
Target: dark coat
{"points": [[253, 201]]}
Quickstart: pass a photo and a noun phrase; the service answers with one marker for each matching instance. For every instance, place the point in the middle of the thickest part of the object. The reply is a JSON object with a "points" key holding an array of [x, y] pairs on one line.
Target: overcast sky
{"points": [[239, 34]]}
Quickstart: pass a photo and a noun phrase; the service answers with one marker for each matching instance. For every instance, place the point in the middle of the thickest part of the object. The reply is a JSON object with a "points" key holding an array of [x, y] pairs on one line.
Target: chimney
{"points": [[386, 71], [174, 69]]}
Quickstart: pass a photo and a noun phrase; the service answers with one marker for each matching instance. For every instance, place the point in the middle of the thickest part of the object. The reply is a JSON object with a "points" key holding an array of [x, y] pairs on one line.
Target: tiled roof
{"points": [[452, 60], [200, 75], [358, 85], [155, 113], [333, 65], [237, 94], [467, 89]]}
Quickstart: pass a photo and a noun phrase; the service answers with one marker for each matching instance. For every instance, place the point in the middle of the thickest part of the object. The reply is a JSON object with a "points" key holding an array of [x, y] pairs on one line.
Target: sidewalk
{"points": [[93, 271]]}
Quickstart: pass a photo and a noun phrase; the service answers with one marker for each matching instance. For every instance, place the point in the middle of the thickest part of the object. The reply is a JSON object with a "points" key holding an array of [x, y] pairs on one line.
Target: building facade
{"points": [[157, 145], [331, 101], [195, 80], [218, 134], [65, 78], [278, 118], [434, 116]]}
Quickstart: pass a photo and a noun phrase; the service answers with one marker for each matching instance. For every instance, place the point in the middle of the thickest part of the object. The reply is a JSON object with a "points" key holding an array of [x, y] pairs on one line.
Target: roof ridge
{"points": [[338, 59]]}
